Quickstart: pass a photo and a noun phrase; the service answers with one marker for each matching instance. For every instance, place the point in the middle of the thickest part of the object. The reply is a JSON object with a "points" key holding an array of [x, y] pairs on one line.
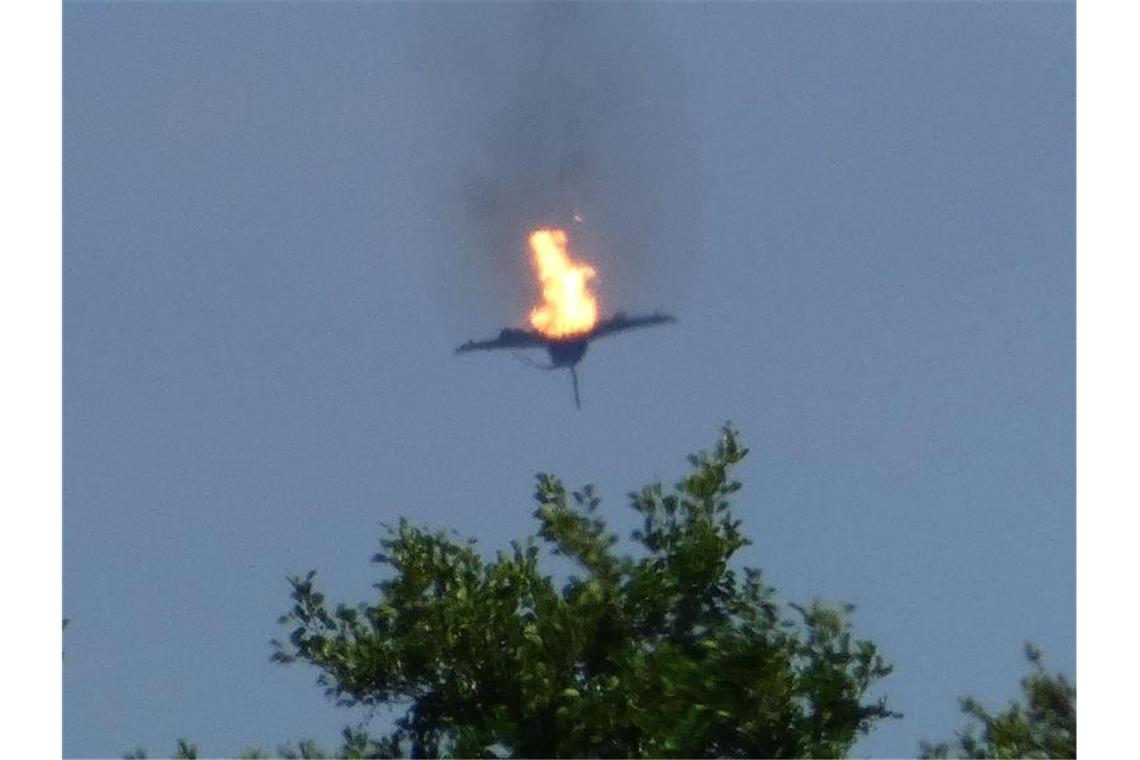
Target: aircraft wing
{"points": [[509, 337], [620, 321]]}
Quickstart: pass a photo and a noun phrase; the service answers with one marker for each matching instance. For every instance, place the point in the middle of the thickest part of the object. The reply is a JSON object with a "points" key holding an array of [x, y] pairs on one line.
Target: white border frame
{"points": [[31, 318], [1108, 207], [31, 331]]}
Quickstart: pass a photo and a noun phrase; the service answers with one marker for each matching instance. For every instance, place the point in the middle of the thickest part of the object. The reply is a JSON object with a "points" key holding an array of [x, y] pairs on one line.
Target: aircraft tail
{"points": [[574, 377]]}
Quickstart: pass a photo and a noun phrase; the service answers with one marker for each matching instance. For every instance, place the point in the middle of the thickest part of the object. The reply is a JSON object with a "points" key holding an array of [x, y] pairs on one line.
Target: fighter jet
{"points": [[567, 351]]}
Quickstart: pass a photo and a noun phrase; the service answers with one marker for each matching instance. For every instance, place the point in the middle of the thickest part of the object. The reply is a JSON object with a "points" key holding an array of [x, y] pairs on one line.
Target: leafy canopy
{"points": [[669, 652], [1045, 726]]}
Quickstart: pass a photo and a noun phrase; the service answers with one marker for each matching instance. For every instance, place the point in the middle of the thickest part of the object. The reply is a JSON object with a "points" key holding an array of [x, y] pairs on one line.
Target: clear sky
{"points": [[280, 219]]}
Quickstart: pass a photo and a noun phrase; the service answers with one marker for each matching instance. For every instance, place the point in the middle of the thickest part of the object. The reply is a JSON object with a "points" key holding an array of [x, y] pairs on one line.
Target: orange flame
{"points": [[568, 307]]}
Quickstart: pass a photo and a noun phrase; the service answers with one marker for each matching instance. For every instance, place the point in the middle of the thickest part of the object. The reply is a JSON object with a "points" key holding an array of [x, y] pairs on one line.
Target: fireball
{"points": [[568, 307]]}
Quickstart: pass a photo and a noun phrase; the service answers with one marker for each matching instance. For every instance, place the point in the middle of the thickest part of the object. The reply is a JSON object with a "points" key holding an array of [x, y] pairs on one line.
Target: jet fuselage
{"points": [[566, 352]]}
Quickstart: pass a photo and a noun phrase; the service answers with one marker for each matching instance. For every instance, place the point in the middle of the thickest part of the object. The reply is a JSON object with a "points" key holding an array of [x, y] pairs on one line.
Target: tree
{"points": [[1045, 727], [183, 751], [669, 652]]}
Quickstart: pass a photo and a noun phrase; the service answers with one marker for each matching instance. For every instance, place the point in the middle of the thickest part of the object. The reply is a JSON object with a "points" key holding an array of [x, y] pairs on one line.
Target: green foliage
{"points": [[1045, 727], [669, 653], [354, 745], [183, 751]]}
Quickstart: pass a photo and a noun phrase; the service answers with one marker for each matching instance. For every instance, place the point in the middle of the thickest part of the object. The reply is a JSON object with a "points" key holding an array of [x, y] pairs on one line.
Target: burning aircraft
{"points": [[567, 318]]}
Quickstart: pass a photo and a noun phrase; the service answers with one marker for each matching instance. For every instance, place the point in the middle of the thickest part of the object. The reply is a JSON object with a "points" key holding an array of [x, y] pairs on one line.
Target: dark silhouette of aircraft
{"points": [[567, 351]]}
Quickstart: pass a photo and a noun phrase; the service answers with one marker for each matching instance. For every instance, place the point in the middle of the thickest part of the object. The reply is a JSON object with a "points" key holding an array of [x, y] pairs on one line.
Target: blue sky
{"points": [[280, 219]]}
